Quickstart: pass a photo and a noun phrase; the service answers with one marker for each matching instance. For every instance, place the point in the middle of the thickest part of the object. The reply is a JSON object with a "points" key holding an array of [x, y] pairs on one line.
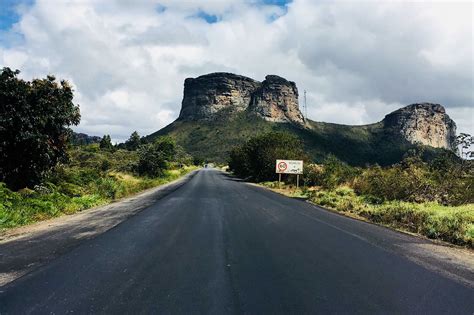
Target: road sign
{"points": [[289, 167]]}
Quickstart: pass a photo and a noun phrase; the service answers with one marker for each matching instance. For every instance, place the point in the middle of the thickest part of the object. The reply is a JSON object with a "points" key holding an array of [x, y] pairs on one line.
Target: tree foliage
{"points": [[133, 142], [34, 126], [154, 158], [256, 158], [106, 143]]}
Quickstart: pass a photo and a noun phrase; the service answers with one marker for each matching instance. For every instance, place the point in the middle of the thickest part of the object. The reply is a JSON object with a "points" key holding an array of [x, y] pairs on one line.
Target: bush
{"points": [[155, 157], [330, 174], [446, 180], [256, 158]]}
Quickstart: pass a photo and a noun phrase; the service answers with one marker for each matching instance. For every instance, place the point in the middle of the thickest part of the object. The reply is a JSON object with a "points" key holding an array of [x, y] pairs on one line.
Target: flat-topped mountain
{"points": [[211, 95], [220, 110]]}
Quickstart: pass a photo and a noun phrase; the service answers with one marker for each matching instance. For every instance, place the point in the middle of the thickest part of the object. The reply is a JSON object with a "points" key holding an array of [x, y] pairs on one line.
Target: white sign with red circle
{"points": [[289, 167]]}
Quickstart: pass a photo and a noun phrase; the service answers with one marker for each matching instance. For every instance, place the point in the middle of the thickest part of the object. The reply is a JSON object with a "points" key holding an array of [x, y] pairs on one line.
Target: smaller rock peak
{"points": [[424, 123], [277, 101]]}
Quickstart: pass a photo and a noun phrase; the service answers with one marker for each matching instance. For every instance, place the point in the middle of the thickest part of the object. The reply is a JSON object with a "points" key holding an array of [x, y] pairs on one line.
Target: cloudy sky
{"points": [[357, 60]]}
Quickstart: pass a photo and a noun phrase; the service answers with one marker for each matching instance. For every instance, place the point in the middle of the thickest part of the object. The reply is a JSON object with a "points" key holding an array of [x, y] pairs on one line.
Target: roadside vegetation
{"points": [[91, 177], [434, 198], [43, 174]]}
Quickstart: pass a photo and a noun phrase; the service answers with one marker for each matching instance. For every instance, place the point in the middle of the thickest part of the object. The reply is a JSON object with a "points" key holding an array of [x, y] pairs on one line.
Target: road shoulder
{"points": [[25, 248], [452, 261]]}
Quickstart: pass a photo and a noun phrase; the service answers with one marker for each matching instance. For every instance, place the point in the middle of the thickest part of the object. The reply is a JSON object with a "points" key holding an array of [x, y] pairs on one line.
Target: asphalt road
{"points": [[219, 246]]}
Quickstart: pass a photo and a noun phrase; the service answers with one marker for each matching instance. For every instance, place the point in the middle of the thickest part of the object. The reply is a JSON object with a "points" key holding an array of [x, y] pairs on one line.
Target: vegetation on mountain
{"points": [[213, 140], [34, 127], [220, 110]]}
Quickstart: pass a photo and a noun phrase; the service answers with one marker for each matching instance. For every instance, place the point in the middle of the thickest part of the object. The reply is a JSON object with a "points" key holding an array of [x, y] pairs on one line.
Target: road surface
{"points": [[220, 246]]}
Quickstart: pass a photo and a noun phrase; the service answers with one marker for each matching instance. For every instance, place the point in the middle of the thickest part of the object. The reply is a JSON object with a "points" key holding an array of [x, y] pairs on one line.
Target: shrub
{"points": [[331, 174], [155, 157], [256, 158], [446, 180]]}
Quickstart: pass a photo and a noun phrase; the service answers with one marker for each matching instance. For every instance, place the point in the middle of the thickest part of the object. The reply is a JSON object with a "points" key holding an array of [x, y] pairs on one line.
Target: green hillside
{"points": [[357, 145]]}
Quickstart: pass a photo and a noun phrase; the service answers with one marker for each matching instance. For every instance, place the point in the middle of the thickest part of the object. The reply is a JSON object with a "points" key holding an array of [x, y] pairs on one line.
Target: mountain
{"points": [[220, 110], [82, 138]]}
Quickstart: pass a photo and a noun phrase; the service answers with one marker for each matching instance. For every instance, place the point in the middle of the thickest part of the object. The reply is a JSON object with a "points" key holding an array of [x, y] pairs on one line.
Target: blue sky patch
{"points": [[160, 8], [8, 12], [209, 18], [280, 3]]}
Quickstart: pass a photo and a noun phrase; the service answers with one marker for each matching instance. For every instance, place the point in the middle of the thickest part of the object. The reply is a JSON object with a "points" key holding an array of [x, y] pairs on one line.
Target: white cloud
{"points": [[357, 60]]}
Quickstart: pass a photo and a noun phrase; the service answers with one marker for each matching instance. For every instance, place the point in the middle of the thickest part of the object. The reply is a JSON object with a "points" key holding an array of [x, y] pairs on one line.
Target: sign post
{"points": [[289, 167]]}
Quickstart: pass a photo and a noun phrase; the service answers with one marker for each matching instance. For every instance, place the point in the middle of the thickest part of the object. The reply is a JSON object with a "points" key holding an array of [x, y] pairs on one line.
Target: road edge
{"points": [[452, 261], [24, 249]]}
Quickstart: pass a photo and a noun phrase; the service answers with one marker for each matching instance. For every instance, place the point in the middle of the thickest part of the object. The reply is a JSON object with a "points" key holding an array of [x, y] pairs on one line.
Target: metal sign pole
{"points": [[279, 180], [297, 181]]}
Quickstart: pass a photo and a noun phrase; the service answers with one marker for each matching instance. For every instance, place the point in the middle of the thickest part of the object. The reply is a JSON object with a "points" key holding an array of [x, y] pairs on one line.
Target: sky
{"points": [[358, 61]]}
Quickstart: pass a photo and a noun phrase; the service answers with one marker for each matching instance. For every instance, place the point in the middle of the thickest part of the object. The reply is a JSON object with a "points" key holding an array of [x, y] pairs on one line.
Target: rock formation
{"points": [[209, 94], [423, 123], [275, 99]]}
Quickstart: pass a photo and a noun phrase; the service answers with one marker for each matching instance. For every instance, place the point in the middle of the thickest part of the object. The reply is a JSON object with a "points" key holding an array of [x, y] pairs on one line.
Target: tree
{"points": [[256, 158], [133, 142], [106, 143], [34, 127], [154, 158]]}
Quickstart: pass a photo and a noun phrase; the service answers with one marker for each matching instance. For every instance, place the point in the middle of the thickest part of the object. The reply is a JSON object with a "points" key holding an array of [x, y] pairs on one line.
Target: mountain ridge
{"points": [[223, 109]]}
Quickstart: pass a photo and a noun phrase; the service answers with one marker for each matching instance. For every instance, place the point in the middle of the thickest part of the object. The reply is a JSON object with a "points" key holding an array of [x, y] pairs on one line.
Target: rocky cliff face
{"points": [[423, 123], [275, 99], [209, 94]]}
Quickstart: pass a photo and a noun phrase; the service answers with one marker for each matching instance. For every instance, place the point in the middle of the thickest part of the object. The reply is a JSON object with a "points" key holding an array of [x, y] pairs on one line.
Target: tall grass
{"points": [[83, 189], [454, 224]]}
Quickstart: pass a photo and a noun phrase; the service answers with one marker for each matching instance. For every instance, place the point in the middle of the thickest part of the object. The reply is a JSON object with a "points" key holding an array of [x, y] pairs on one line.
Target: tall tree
{"points": [[133, 142], [106, 143], [34, 127]]}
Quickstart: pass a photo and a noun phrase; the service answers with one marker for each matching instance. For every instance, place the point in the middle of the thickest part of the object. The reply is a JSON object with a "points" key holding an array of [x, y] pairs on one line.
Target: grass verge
{"points": [[67, 197], [453, 224]]}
